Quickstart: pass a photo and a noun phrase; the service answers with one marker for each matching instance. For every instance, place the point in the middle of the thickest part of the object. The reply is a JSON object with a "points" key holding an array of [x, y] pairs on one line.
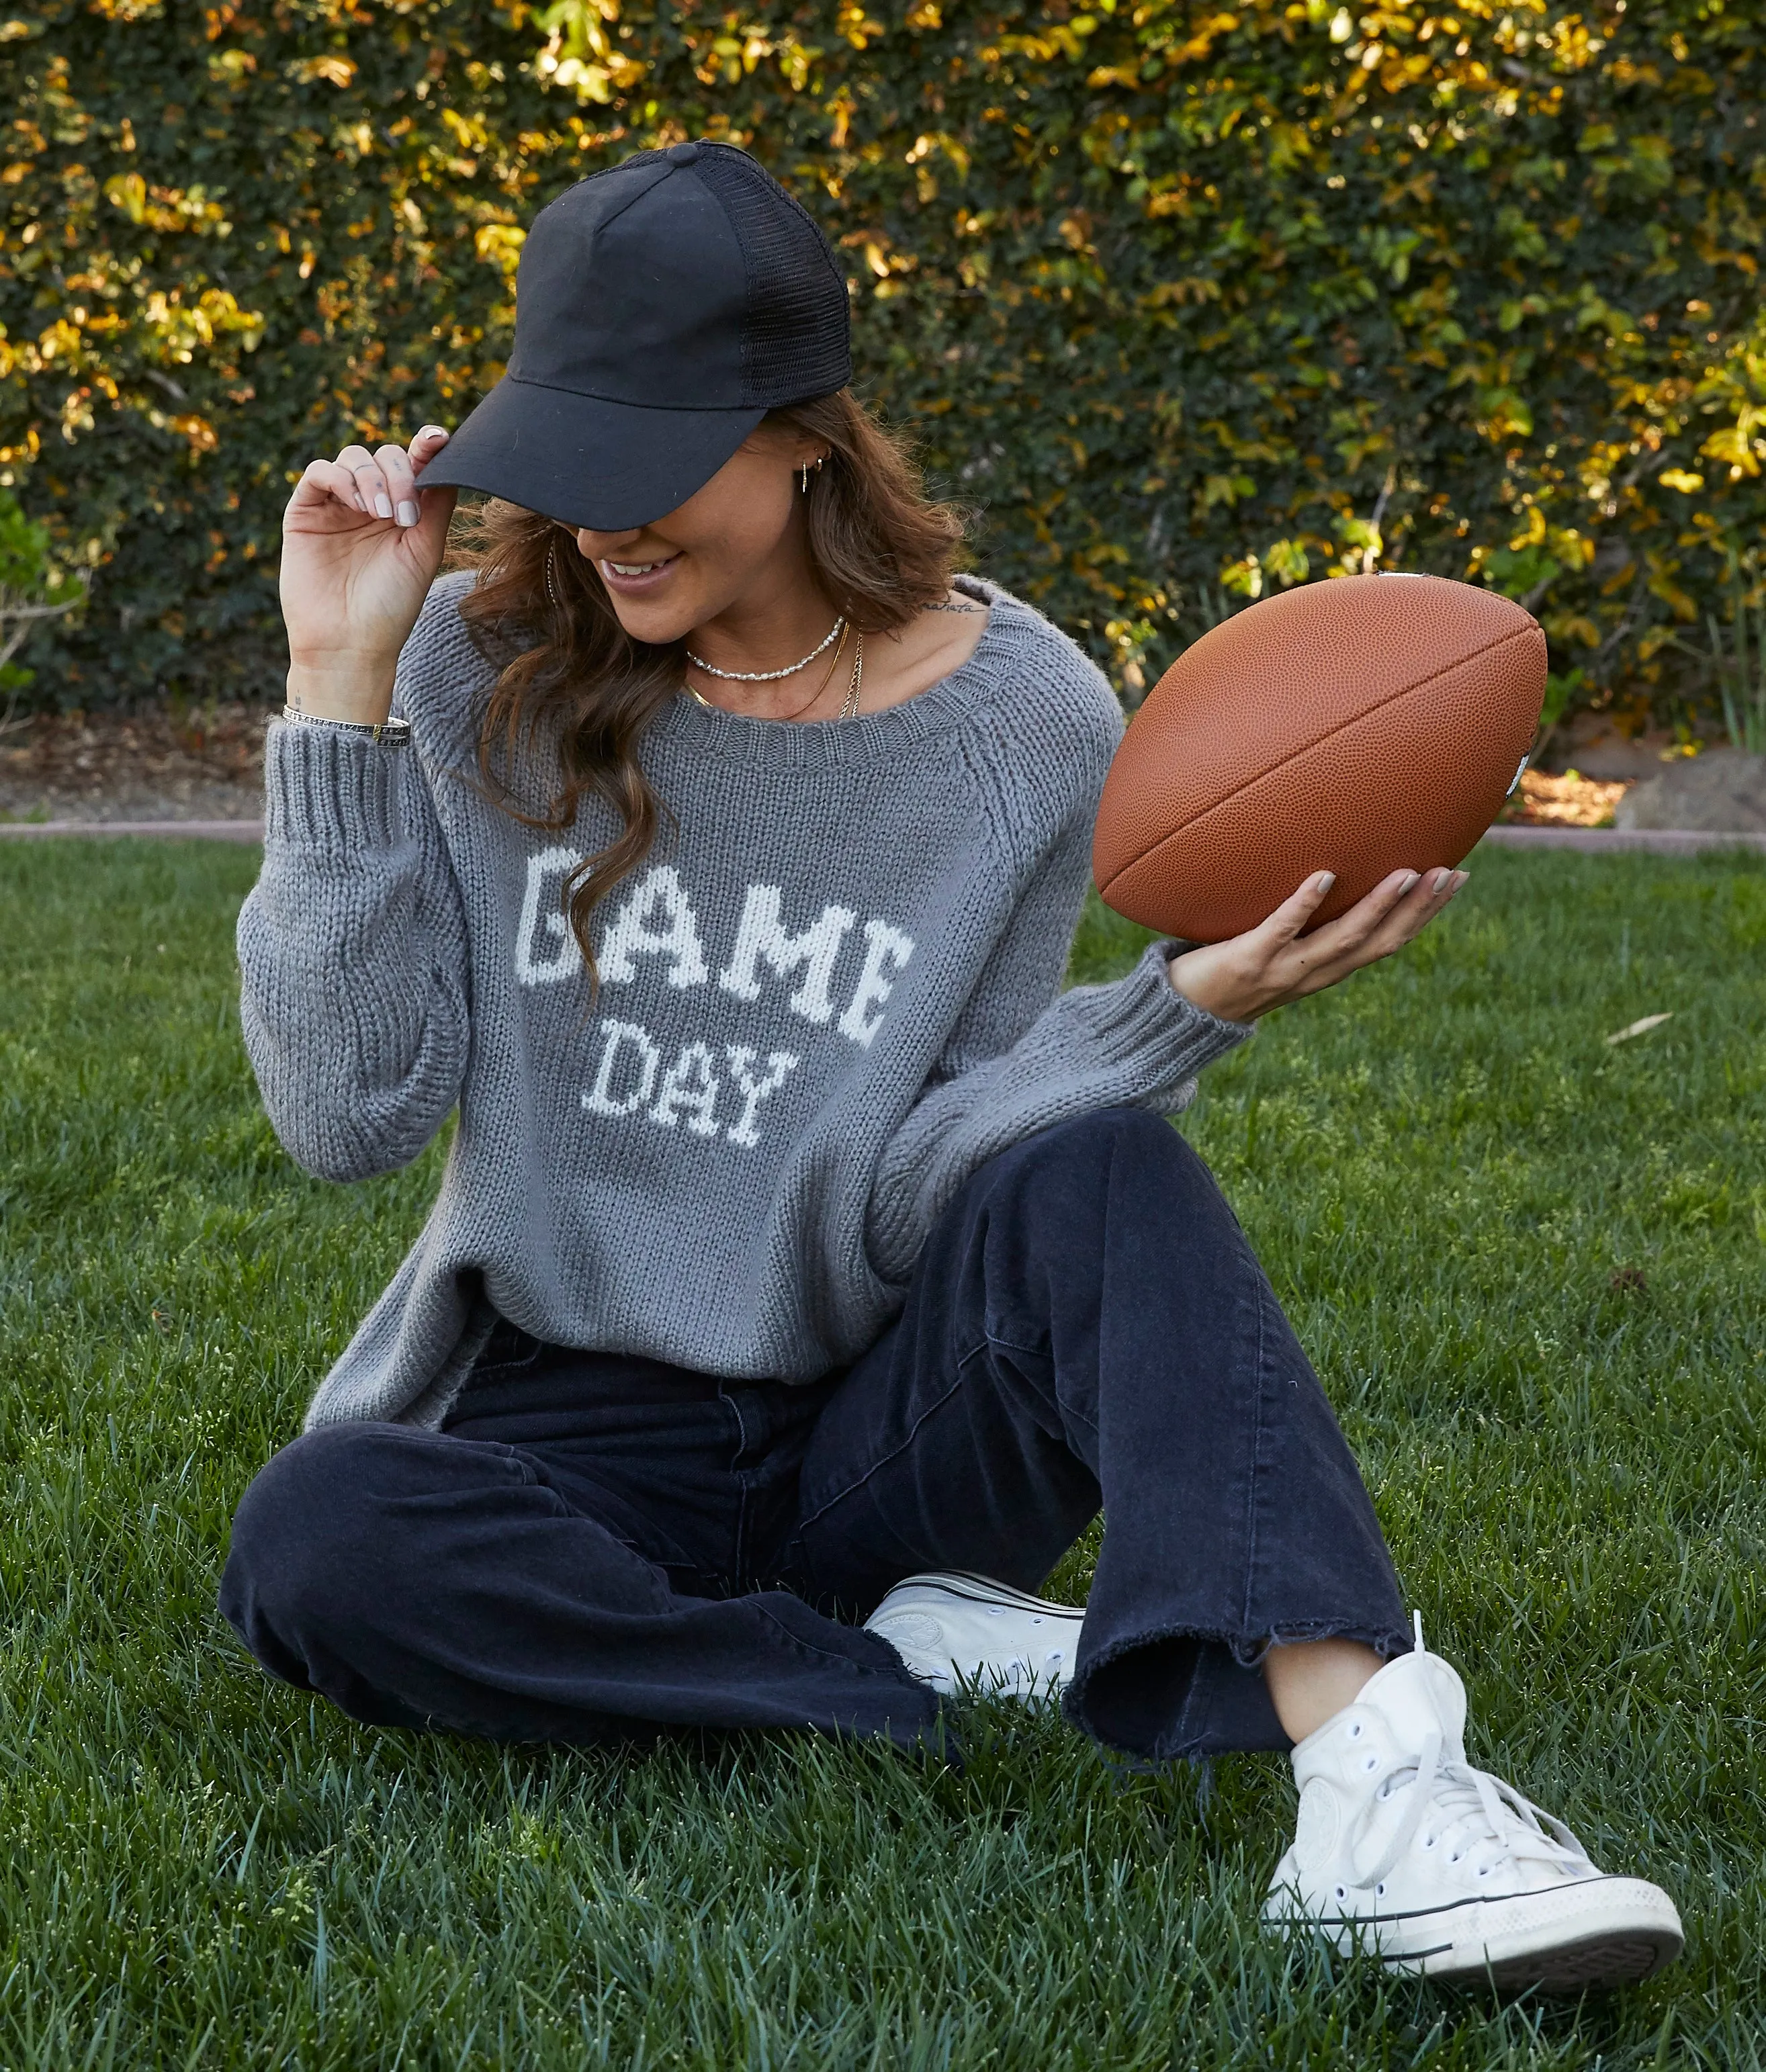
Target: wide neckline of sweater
{"points": [[869, 737]]}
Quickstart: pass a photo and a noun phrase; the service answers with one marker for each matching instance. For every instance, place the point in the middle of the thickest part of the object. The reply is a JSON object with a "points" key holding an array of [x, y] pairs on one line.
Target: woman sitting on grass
{"points": [[804, 1256]]}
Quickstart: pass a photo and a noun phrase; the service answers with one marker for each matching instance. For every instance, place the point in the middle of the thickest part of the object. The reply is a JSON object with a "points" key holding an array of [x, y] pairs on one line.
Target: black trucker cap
{"points": [[662, 308]]}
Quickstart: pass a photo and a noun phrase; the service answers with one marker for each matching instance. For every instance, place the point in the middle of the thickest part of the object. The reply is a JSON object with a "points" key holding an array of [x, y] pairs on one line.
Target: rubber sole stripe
{"points": [[984, 1590]]}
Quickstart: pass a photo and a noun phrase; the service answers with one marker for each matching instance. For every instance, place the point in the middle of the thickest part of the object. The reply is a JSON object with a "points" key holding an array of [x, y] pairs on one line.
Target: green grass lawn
{"points": [[1531, 1266]]}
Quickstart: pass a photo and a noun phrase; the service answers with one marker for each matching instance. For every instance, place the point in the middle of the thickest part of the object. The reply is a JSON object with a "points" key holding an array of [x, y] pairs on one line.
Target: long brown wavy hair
{"points": [[574, 685]]}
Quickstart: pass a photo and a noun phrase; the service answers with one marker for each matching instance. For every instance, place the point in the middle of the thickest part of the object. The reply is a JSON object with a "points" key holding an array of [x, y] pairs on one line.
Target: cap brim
{"points": [[585, 461]]}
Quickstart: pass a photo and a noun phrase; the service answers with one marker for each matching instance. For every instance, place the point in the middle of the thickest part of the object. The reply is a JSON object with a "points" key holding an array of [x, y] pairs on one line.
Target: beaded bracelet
{"points": [[389, 732]]}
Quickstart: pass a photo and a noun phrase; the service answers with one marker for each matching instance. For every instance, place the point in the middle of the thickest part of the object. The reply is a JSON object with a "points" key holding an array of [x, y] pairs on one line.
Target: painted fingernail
{"points": [[1411, 878], [1325, 880], [407, 514], [383, 505], [1442, 880], [433, 431]]}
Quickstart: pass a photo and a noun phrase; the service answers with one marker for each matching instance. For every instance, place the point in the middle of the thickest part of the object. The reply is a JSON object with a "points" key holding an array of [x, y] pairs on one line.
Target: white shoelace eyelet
{"points": [[1372, 1762], [1342, 1891], [1355, 1730], [1379, 1890], [1428, 1841]]}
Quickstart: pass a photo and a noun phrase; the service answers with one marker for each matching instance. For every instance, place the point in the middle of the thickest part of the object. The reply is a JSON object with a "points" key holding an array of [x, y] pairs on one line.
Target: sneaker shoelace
{"points": [[1488, 1819]]}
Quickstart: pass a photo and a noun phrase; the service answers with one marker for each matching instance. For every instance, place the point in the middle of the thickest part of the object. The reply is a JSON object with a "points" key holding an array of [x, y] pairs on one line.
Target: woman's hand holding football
{"points": [[1274, 964]]}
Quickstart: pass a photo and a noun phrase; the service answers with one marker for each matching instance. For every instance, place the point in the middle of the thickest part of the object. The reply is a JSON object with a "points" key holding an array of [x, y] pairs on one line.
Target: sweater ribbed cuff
{"points": [[1142, 1017], [326, 789]]}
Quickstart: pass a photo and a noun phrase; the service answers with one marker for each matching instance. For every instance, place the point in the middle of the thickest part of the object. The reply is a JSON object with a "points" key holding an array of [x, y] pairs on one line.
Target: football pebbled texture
{"points": [[1363, 724]]}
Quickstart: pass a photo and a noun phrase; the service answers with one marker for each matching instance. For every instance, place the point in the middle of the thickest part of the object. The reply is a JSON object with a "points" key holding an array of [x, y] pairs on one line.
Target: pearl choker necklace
{"points": [[771, 676]]}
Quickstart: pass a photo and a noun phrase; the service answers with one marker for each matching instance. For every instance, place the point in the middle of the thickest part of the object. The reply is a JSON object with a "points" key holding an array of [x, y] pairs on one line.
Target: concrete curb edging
{"points": [[235, 831], [1603, 841]]}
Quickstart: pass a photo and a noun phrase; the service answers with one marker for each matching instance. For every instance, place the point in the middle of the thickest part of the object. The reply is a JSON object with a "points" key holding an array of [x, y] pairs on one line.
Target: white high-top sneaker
{"points": [[955, 1629], [1443, 1869]]}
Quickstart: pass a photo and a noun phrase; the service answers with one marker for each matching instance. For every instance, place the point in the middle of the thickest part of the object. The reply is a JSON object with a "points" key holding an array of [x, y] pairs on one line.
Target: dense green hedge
{"points": [[1194, 301]]}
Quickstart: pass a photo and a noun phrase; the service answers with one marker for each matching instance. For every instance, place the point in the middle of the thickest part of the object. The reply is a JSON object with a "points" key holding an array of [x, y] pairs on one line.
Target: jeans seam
{"points": [[1069, 1411], [738, 1553], [1256, 1458], [1078, 1417], [511, 1456], [482, 1370], [894, 1453], [809, 1647]]}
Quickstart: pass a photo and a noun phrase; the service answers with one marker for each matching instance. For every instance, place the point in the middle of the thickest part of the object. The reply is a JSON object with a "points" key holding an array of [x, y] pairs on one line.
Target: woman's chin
{"points": [[654, 625]]}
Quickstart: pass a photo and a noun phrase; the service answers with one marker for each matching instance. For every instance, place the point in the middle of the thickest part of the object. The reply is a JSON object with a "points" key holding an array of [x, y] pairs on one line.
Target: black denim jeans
{"points": [[597, 1545]]}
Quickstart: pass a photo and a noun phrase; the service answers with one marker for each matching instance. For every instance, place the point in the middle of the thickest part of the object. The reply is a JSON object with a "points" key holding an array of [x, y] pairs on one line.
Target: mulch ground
{"points": [[1570, 800], [201, 764]]}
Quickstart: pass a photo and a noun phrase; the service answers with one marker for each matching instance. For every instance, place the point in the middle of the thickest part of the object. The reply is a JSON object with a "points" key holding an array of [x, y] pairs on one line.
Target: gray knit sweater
{"points": [[824, 1003]]}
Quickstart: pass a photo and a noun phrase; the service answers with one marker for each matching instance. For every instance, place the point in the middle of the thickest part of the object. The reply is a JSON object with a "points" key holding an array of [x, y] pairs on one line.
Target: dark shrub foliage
{"points": [[1192, 302]]}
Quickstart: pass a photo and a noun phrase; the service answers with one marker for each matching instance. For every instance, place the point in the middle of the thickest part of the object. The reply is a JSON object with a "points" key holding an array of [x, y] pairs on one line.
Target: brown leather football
{"points": [[1363, 726]]}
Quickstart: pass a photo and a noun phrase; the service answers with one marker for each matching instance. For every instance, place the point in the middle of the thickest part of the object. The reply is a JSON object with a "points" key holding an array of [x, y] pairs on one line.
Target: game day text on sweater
{"points": [[710, 1092]]}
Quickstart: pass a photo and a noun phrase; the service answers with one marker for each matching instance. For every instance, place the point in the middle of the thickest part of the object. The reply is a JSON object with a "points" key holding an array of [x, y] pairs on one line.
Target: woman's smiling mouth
{"points": [[632, 576]]}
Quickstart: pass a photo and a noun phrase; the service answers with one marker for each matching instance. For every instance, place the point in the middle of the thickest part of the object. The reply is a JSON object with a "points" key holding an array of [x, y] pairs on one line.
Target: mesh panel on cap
{"points": [[794, 344]]}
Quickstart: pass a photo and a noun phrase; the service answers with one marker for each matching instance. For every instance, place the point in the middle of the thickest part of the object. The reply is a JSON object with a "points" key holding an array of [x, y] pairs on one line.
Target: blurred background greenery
{"points": [[1191, 302]]}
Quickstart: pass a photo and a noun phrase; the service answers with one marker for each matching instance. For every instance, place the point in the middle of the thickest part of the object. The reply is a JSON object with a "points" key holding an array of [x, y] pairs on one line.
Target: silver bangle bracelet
{"points": [[389, 732]]}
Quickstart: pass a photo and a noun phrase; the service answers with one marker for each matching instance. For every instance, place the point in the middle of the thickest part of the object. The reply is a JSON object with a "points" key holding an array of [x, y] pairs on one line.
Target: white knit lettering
{"points": [[632, 935], [761, 933], [754, 1091], [567, 960], [600, 1099], [692, 1083], [886, 949]]}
